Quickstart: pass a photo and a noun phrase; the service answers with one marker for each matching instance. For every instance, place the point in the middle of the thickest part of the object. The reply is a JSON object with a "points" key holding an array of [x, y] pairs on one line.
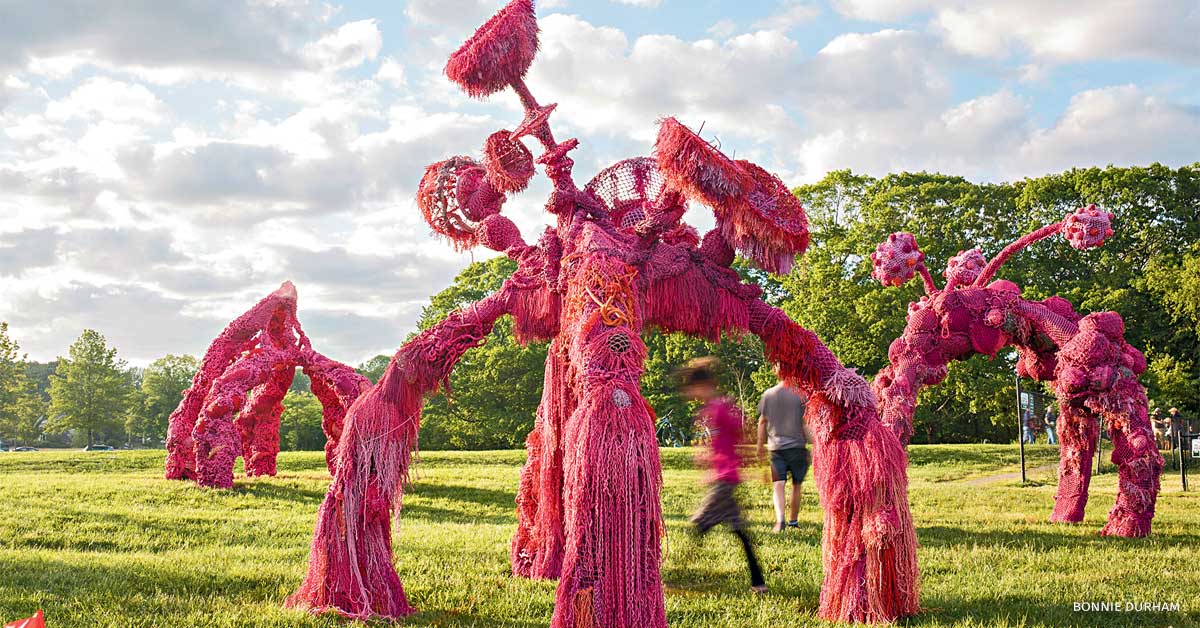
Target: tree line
{"points": [[1149, 272]]}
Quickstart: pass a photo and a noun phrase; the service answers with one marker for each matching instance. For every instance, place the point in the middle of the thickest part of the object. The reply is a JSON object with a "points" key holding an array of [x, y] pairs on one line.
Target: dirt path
{"points": [[1014, 475]]}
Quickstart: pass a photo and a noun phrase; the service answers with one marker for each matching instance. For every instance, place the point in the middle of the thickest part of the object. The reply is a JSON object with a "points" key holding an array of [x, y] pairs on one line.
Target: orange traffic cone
{"points": [[29, 622]]}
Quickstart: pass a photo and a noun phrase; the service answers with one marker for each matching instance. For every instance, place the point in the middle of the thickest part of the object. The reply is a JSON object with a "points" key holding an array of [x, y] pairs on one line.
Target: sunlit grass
{"points": [[100, 539]]}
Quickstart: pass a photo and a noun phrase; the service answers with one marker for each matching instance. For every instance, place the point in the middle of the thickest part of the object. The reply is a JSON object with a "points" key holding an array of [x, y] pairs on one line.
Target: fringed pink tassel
{"points": [[350, 564], [614, 520], [869, 545], [536, 550]]}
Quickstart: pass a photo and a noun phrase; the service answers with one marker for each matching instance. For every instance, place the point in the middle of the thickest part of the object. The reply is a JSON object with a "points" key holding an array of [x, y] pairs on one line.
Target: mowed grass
{"points": [[100, 539]]}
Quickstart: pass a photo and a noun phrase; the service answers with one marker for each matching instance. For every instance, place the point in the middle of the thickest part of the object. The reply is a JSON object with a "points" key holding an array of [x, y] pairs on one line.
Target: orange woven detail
{"points": [[585, 616]]}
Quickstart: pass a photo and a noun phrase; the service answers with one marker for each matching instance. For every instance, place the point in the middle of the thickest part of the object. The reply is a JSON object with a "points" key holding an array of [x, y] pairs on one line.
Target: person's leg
{"points": [[799, 468], [756, 577], [778, 482], [777, 497]]}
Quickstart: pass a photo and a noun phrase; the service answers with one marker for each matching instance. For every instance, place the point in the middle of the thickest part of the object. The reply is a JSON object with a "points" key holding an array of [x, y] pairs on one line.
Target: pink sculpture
{"points": [[617, 261], [247, 370], [1093, 370]]}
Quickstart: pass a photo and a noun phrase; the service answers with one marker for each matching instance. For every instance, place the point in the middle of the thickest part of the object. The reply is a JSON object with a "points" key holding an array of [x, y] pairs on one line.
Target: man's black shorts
{"points": [[794, 460]]}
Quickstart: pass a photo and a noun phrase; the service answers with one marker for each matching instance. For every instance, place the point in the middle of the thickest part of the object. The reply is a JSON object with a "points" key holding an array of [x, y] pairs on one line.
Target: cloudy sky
{"points": [[163, 165]]}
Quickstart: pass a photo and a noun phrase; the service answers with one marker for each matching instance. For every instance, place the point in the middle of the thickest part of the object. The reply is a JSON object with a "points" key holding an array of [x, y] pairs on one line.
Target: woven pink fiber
{"points": [[1093, 370], [246, 371], [617, 263]]}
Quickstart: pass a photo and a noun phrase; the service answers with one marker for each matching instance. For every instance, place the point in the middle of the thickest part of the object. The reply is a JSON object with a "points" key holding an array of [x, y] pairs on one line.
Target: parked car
{"points": [[98, 448], [25, 449]]}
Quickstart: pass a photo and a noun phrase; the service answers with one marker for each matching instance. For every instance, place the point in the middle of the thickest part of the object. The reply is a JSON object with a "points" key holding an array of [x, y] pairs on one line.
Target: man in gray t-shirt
{"points": [[782, 431]]}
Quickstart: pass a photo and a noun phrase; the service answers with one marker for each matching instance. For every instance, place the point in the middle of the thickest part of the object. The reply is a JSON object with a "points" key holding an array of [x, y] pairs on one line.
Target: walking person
{"points": [[698, 382], [783, 432], [1179, 427], [1027, 426], [1050, 421]]}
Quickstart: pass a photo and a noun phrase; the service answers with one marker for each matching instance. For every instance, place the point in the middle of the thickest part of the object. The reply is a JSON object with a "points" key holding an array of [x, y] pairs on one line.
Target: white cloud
{"points": [[1119, 125], [350, 45], [105, 99], [390, 72], [793, 13]]}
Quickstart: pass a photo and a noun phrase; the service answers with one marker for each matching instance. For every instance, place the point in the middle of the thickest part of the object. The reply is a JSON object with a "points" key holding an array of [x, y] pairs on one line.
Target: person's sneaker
{"points": [[759, 590], [793, 524], [778, 527]]}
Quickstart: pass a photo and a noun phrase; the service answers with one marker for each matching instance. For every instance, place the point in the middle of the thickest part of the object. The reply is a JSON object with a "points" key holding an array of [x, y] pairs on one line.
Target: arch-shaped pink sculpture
{"points": [[1093, 370], [247, 371], [617, 263]]}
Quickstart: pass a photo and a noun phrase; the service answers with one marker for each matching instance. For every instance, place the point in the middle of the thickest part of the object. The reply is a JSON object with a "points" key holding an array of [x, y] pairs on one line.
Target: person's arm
{"points": [[762, 436]]}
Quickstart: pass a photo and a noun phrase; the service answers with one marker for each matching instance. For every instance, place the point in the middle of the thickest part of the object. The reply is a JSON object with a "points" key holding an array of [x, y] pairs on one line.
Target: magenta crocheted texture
{"points": [[1093, 370]]}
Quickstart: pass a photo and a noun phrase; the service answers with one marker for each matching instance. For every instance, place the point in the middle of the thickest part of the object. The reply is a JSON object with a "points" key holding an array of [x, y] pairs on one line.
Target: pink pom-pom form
{"points": [[1087, 227], [896, 259], [963, 269]]}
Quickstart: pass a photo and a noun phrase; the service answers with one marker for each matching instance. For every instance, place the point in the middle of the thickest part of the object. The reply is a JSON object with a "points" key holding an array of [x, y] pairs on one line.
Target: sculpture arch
{"points": [[1093, 370]]}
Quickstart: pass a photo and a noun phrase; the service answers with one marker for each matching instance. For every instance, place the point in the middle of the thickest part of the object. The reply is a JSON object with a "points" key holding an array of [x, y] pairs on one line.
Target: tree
{"points": [[22, 411], [300, 425], [495, 388], [161, 389], [90, 390], [374, 368]]}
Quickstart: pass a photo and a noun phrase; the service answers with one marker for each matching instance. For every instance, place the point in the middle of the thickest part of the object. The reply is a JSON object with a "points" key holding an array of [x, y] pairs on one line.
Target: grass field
{"points": [[100, 539]]}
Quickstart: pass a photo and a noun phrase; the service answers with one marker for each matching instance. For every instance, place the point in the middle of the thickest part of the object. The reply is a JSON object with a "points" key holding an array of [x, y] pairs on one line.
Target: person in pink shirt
{"points": [[723, 420]]}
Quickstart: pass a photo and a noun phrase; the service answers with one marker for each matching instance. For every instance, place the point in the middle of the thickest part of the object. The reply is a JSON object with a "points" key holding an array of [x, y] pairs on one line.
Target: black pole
{"points": [[1182, 460], [1021, 428]]}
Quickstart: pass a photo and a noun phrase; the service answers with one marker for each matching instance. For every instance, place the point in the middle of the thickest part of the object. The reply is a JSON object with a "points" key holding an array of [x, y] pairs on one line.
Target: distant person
{"points": [[1179, 427], [1027, 426], [1158, 425], [698, 382], [1050, 421], [782, 432]]}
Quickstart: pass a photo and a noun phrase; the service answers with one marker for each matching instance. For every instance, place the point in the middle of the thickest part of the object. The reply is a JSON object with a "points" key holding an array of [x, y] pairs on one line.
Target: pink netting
{"points": [[246, 371], [1093, 370], [617, 262]]}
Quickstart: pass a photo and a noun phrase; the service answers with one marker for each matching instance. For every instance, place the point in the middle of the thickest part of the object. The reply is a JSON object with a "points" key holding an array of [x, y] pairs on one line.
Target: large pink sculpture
{"points": [[1093, 370], [247, 370], [617, 263]]}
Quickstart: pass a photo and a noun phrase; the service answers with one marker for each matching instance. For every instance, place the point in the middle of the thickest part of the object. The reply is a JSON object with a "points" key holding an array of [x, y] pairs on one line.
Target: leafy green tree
{"points": [[300, 425], [22, 410], [496, 387], [374, 368], [161, 389], [90, 390]]}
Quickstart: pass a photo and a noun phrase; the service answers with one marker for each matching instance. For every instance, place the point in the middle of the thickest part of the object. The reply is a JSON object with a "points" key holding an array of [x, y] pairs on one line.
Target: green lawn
{"points": [[100, 539]]}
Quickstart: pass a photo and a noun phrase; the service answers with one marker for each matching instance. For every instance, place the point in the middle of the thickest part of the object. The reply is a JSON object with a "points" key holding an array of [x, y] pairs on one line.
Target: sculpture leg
{"points": [[336, 386], [1077, 432], [350, 568], [537, 547], [258, 422], [610, 574], [1138, 461], [869, 545], [217, 441], [181, 449]]}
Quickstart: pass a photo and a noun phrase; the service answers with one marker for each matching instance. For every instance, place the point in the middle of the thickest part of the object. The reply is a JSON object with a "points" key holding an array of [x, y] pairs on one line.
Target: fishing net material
{"points": [[246, 372], [1092, 369], [617, 263]]}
